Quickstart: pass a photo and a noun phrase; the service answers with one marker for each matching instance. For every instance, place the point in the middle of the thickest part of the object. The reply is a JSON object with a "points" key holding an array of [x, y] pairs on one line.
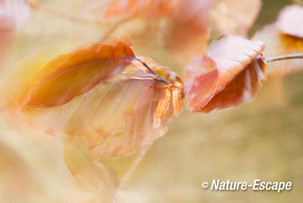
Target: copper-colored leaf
{"points": [[277, 44], [229, 75], [290, 21], [128, 112], [233, 16], [69, 75]]}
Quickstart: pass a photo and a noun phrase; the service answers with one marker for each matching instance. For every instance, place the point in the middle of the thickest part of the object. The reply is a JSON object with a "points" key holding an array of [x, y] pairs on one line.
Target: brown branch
{"points": [[158, 77], [284, 57]]}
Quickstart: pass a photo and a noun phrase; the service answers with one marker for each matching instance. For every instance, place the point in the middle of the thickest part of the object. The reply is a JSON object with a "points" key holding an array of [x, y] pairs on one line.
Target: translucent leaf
{"points": [[290, 21], [95, 177], [69, 75], [277, 44], [128, 112], [181, 26], [187, 33], [126, 8], [233, 16], [227, 76], [14, 13]]}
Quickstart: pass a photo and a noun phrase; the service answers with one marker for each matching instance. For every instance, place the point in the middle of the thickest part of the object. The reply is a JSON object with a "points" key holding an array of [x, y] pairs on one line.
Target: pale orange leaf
{"points": [[127, 112], [69, 75], [290, 21], [277, 44], [187, 31], [234, 16]]}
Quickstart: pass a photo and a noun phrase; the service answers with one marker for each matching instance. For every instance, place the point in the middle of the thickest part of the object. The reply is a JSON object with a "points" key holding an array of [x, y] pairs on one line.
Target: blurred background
{"points": [[260, 140]]}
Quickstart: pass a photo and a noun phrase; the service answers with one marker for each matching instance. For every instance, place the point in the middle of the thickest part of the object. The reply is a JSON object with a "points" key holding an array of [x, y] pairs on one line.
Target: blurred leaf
{"points": [[13, 15], [70, 75], [277, 44], [233, 16], [227, 76], [290, 21], [187, 32], [128, 112], [126, 8], [96, 177]]}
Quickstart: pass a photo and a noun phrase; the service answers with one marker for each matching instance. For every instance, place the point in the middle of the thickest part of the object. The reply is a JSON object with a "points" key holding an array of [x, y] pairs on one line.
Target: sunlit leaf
{"points": [[181, 26], [95, 177], [290, 21], [227, 76], [187, 31], [128, 112], [233, 16], [13, 15], [277, 44], [135, 8], [69, 75]]}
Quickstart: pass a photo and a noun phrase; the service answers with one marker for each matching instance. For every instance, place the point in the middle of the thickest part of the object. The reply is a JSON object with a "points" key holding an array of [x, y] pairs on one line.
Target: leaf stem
{"points": [[284, 57], [158, 77]]}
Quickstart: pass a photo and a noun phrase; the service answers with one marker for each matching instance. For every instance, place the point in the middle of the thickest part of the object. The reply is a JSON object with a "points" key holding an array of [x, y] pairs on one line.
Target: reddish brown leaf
{"points": [[229, 75]]}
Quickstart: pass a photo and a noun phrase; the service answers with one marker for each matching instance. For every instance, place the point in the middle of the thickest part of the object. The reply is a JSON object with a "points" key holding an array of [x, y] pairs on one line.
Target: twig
{"points": [[133, 166], [158, 77], [284, 57]]}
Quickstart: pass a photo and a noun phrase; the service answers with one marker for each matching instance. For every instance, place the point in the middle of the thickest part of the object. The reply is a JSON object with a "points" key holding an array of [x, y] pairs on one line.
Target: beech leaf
{"points": [[283, 38], [290, 21], [233, 16], [227, 76], [187, 31], [278, 44], [69, 75], [128, 111]]}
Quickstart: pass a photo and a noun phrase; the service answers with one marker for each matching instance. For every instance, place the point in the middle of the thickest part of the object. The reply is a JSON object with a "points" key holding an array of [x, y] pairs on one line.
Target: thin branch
{"points": [[158, 77], [284, 57]]}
